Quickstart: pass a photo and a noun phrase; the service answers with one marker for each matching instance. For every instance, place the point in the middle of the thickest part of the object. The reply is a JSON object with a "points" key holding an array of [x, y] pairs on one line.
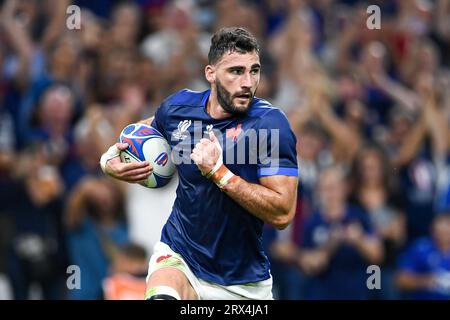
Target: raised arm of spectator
{"points": [[411, 144], [342, 135], [299, 117], [443, 19], [56, 24], [402, 95], [19, 40], [345, 40], [437, 126], [77, 202], [409, 281]]}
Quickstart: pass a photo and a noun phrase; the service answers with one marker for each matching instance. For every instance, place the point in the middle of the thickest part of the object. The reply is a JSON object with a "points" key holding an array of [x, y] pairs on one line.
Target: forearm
{"points": [[57, 23], [398, 92], [410, 281], [342, 135], [411, 145], [268, 205], [272, 200], [19, 41], [442, 18], [147, 121], [437, 126]]}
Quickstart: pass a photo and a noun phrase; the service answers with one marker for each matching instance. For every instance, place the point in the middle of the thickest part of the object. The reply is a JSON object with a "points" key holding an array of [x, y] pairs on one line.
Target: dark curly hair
{"points": [[233, 39]]}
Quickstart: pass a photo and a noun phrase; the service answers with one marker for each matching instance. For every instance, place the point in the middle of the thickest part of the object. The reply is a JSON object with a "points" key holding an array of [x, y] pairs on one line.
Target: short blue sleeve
{"points": [[160, 117], [277, 146]]}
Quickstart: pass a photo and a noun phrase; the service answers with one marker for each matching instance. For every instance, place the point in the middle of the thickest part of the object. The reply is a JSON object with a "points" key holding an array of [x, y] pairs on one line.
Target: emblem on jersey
{"points": [[234, 132], [209, 127], [180, 133]]}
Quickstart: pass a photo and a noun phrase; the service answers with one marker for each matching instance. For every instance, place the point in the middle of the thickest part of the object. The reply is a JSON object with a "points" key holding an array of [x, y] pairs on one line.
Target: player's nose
{"points": [[246, 80]]}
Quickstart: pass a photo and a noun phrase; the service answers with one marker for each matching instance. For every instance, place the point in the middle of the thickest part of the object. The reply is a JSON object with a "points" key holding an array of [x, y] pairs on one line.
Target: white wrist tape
{"points": [[224, 181], [112, 152], [216, 167], [219, 161]]}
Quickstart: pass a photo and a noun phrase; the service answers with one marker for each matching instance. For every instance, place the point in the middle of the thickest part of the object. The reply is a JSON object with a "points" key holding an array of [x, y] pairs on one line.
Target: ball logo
{"points": [[131, 145], [162, 159], [143, 131]]}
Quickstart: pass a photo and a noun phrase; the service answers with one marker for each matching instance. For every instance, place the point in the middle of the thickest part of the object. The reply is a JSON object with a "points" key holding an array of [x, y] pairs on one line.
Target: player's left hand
{"points": [[207, 153]]}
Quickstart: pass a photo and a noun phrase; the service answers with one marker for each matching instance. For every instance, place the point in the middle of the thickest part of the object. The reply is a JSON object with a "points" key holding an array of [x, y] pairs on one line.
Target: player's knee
{"points": [[162, 293]]}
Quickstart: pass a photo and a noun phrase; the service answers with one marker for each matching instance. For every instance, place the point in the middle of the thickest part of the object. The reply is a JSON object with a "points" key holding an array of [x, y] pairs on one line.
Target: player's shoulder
{"points": [[186, 97], [267, 113]]}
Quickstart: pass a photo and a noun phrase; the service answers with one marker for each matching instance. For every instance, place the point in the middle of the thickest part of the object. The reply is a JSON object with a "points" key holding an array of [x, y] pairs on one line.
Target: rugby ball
{"points": [[147, 143]]}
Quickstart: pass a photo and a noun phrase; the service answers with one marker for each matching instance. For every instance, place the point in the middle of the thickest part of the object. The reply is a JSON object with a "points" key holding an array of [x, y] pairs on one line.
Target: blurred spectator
{"points": [[179, 49], [7, 158], [125, 25], [96, 230], [7, 141], [128, 273], [37, 252], [284, 248], [53, 127], [91, 135], [283, 251], [422, 147], [338, 244], [424, 271], [374, 190]]}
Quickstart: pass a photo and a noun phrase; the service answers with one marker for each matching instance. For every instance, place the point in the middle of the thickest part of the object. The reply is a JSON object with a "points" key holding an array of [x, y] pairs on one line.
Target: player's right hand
{"points": [[134, 172]]}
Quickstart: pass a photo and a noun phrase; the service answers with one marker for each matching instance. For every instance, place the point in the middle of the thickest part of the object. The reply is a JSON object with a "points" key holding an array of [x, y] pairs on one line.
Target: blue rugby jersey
{"points": [[220, 240], [423, 257]]}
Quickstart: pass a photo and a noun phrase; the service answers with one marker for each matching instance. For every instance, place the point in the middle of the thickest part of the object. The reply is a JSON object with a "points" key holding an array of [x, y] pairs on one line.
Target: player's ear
{"points": [[210, 74]]}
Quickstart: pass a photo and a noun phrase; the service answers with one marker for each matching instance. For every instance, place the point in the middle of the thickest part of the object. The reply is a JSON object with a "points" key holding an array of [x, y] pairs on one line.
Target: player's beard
{"points": [[226, 100]]}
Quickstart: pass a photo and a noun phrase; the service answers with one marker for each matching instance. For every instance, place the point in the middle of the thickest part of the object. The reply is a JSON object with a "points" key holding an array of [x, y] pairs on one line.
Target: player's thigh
{"points": [[174, 278]]}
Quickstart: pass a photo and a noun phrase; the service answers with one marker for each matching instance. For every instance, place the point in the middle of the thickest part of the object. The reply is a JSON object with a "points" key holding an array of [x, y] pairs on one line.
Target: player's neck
{"points": [[214, 109]]}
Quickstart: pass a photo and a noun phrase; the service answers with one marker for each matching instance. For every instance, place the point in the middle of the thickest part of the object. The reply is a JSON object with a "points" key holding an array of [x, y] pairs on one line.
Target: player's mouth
{"points": [[244, 97]]}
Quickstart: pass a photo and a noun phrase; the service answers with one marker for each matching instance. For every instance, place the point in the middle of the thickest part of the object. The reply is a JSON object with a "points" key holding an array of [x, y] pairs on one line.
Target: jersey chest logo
{"points": [[181, 133], [234, 133]]}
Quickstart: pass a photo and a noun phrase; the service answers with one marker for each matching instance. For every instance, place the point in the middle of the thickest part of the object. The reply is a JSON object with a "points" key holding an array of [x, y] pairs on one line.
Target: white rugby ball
{"points": [[147, 143]]}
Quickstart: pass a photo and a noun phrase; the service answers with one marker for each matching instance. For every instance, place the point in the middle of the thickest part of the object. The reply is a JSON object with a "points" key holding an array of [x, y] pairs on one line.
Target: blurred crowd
{"points": [[370, 108]]}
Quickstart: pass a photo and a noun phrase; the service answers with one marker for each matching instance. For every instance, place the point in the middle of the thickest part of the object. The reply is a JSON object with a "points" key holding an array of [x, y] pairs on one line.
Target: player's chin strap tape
{"points": [[112, 152], [162, 293]]}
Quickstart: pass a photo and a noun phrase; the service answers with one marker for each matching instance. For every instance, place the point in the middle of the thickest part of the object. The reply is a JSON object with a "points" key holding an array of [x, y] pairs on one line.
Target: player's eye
{"points": [[254, 71], [236, 71]]}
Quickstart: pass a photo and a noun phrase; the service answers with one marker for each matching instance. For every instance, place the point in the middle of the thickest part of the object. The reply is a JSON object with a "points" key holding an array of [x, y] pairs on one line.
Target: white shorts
{"points": [[164, 256]]}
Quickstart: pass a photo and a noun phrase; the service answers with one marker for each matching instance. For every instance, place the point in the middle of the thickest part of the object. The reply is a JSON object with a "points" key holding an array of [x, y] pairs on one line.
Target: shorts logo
{"points": [[180, 133], [162, 258]]}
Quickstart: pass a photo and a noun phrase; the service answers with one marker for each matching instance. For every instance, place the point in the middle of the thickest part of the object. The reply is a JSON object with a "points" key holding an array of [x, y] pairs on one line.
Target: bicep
{"points": [[284, 186]]}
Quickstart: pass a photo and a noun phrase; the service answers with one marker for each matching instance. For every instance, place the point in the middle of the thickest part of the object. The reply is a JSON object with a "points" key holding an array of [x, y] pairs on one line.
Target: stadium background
{"points": [[375, 103]]}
